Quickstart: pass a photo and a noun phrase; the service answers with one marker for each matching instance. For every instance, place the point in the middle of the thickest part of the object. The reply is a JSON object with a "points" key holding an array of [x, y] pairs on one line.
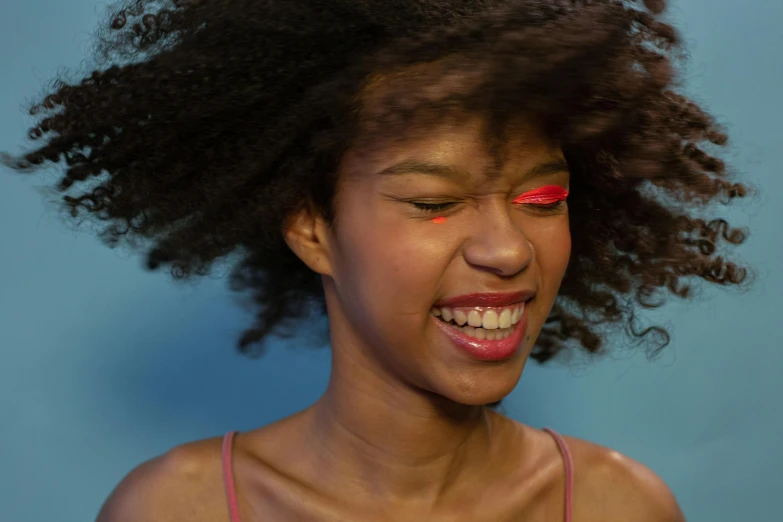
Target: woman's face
{"points": [[428, 223]]}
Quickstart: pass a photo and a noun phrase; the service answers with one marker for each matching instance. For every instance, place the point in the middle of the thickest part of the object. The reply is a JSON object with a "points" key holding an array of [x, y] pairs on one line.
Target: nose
{"points": [[498, 245]]}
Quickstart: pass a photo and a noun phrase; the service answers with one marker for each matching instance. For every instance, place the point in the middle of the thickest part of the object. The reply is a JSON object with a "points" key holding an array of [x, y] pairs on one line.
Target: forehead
{"points": [[467, 144]]}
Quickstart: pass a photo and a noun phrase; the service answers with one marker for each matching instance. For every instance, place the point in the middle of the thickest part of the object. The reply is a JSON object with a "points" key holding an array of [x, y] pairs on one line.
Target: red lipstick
{"points": [[487, 299], [485, 350]]}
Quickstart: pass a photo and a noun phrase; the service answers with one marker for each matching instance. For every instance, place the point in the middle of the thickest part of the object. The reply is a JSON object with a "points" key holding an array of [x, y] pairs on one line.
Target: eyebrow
{"points": [[451, 172]]}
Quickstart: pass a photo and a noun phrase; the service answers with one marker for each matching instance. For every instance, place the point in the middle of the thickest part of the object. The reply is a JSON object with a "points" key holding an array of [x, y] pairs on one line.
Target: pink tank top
{"points": [[231, 492]]}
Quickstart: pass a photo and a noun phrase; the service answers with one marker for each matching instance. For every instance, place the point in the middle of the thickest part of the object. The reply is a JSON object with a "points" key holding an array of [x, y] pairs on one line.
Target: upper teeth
{"points": [[489, 318]]}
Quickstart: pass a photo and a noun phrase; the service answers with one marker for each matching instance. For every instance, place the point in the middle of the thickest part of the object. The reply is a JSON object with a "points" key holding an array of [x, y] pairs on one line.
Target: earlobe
{"points": [[306, 234]]}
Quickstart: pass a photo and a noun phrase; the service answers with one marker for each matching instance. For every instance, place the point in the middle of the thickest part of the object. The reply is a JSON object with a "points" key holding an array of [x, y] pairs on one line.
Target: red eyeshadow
{"points": [[542, 196], [439, 220]]}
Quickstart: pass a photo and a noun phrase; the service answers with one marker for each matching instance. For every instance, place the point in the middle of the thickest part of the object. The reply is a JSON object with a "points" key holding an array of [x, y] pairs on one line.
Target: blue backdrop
{"points": [[104, 365]]}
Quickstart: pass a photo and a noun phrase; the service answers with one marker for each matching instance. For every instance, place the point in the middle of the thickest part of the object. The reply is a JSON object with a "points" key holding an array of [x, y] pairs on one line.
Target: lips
{"points": [[490, 346], [487, 299], [485, 350]]}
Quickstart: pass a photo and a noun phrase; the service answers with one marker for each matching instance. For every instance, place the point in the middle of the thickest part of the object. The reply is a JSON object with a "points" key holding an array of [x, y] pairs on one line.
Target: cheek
{"points": [[386, 283], [552, 244], [389, 268]]}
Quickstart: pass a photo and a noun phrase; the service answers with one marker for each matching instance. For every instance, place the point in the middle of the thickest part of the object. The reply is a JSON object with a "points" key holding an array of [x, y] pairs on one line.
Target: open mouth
{"points": [[485, 323]]}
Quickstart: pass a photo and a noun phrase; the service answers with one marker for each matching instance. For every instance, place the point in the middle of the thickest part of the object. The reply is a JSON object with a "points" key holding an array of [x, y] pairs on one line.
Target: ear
{"points": [[308, 236]]}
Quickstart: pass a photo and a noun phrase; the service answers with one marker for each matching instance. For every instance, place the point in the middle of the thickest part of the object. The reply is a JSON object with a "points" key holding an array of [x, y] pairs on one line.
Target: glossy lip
{"points": [[486, 350], [487, 299]]}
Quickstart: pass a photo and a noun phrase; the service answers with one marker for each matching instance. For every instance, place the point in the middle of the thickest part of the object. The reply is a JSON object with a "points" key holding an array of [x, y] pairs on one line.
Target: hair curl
{"points": [[206, 123]]}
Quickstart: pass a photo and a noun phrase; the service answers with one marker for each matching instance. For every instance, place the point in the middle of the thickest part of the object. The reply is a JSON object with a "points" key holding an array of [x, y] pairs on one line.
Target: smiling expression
{"points": [[453, 309]]}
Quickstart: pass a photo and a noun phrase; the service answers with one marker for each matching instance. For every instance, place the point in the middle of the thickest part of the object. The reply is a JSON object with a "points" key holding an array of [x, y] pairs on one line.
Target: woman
{"points": [[459, 185]]}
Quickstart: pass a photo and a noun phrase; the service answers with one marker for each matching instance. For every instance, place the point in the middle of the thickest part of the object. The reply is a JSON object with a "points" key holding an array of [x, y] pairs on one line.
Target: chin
{"points": [[486, 385], [483, 401], [482, 394]]}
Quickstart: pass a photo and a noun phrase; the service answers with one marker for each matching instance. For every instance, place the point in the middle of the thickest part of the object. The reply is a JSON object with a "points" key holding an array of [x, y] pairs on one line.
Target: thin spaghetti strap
{"points": [[568, 463], [228, 476]]}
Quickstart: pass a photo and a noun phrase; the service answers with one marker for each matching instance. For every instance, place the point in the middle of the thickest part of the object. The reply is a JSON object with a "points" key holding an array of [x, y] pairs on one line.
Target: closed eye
{"points": [[544, 207], [432, 207], [548, 197]]}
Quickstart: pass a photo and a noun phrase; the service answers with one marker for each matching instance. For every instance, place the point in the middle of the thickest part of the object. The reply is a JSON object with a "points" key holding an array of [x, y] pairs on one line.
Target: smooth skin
{"points": [[401, 434]]}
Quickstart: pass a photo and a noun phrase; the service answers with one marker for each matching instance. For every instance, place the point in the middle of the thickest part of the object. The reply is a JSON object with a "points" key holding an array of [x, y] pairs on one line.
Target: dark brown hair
{"points": [[206, 123]]}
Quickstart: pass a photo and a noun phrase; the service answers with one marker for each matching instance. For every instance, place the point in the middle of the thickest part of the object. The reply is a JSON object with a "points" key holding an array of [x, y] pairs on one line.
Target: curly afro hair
{"points": [[205, 124]]}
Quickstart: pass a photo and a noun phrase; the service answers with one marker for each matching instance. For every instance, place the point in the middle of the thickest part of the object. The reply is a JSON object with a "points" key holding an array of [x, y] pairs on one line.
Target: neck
{"points": [[394, 443]]}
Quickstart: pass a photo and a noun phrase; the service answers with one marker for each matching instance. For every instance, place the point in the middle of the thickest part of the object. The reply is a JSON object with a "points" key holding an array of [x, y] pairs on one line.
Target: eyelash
{"points": [[433, 208]]}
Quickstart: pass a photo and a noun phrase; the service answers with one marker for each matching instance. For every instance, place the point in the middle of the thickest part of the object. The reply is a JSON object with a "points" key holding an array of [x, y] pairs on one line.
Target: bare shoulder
{"points": [[184, 483], [611, 486]]}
